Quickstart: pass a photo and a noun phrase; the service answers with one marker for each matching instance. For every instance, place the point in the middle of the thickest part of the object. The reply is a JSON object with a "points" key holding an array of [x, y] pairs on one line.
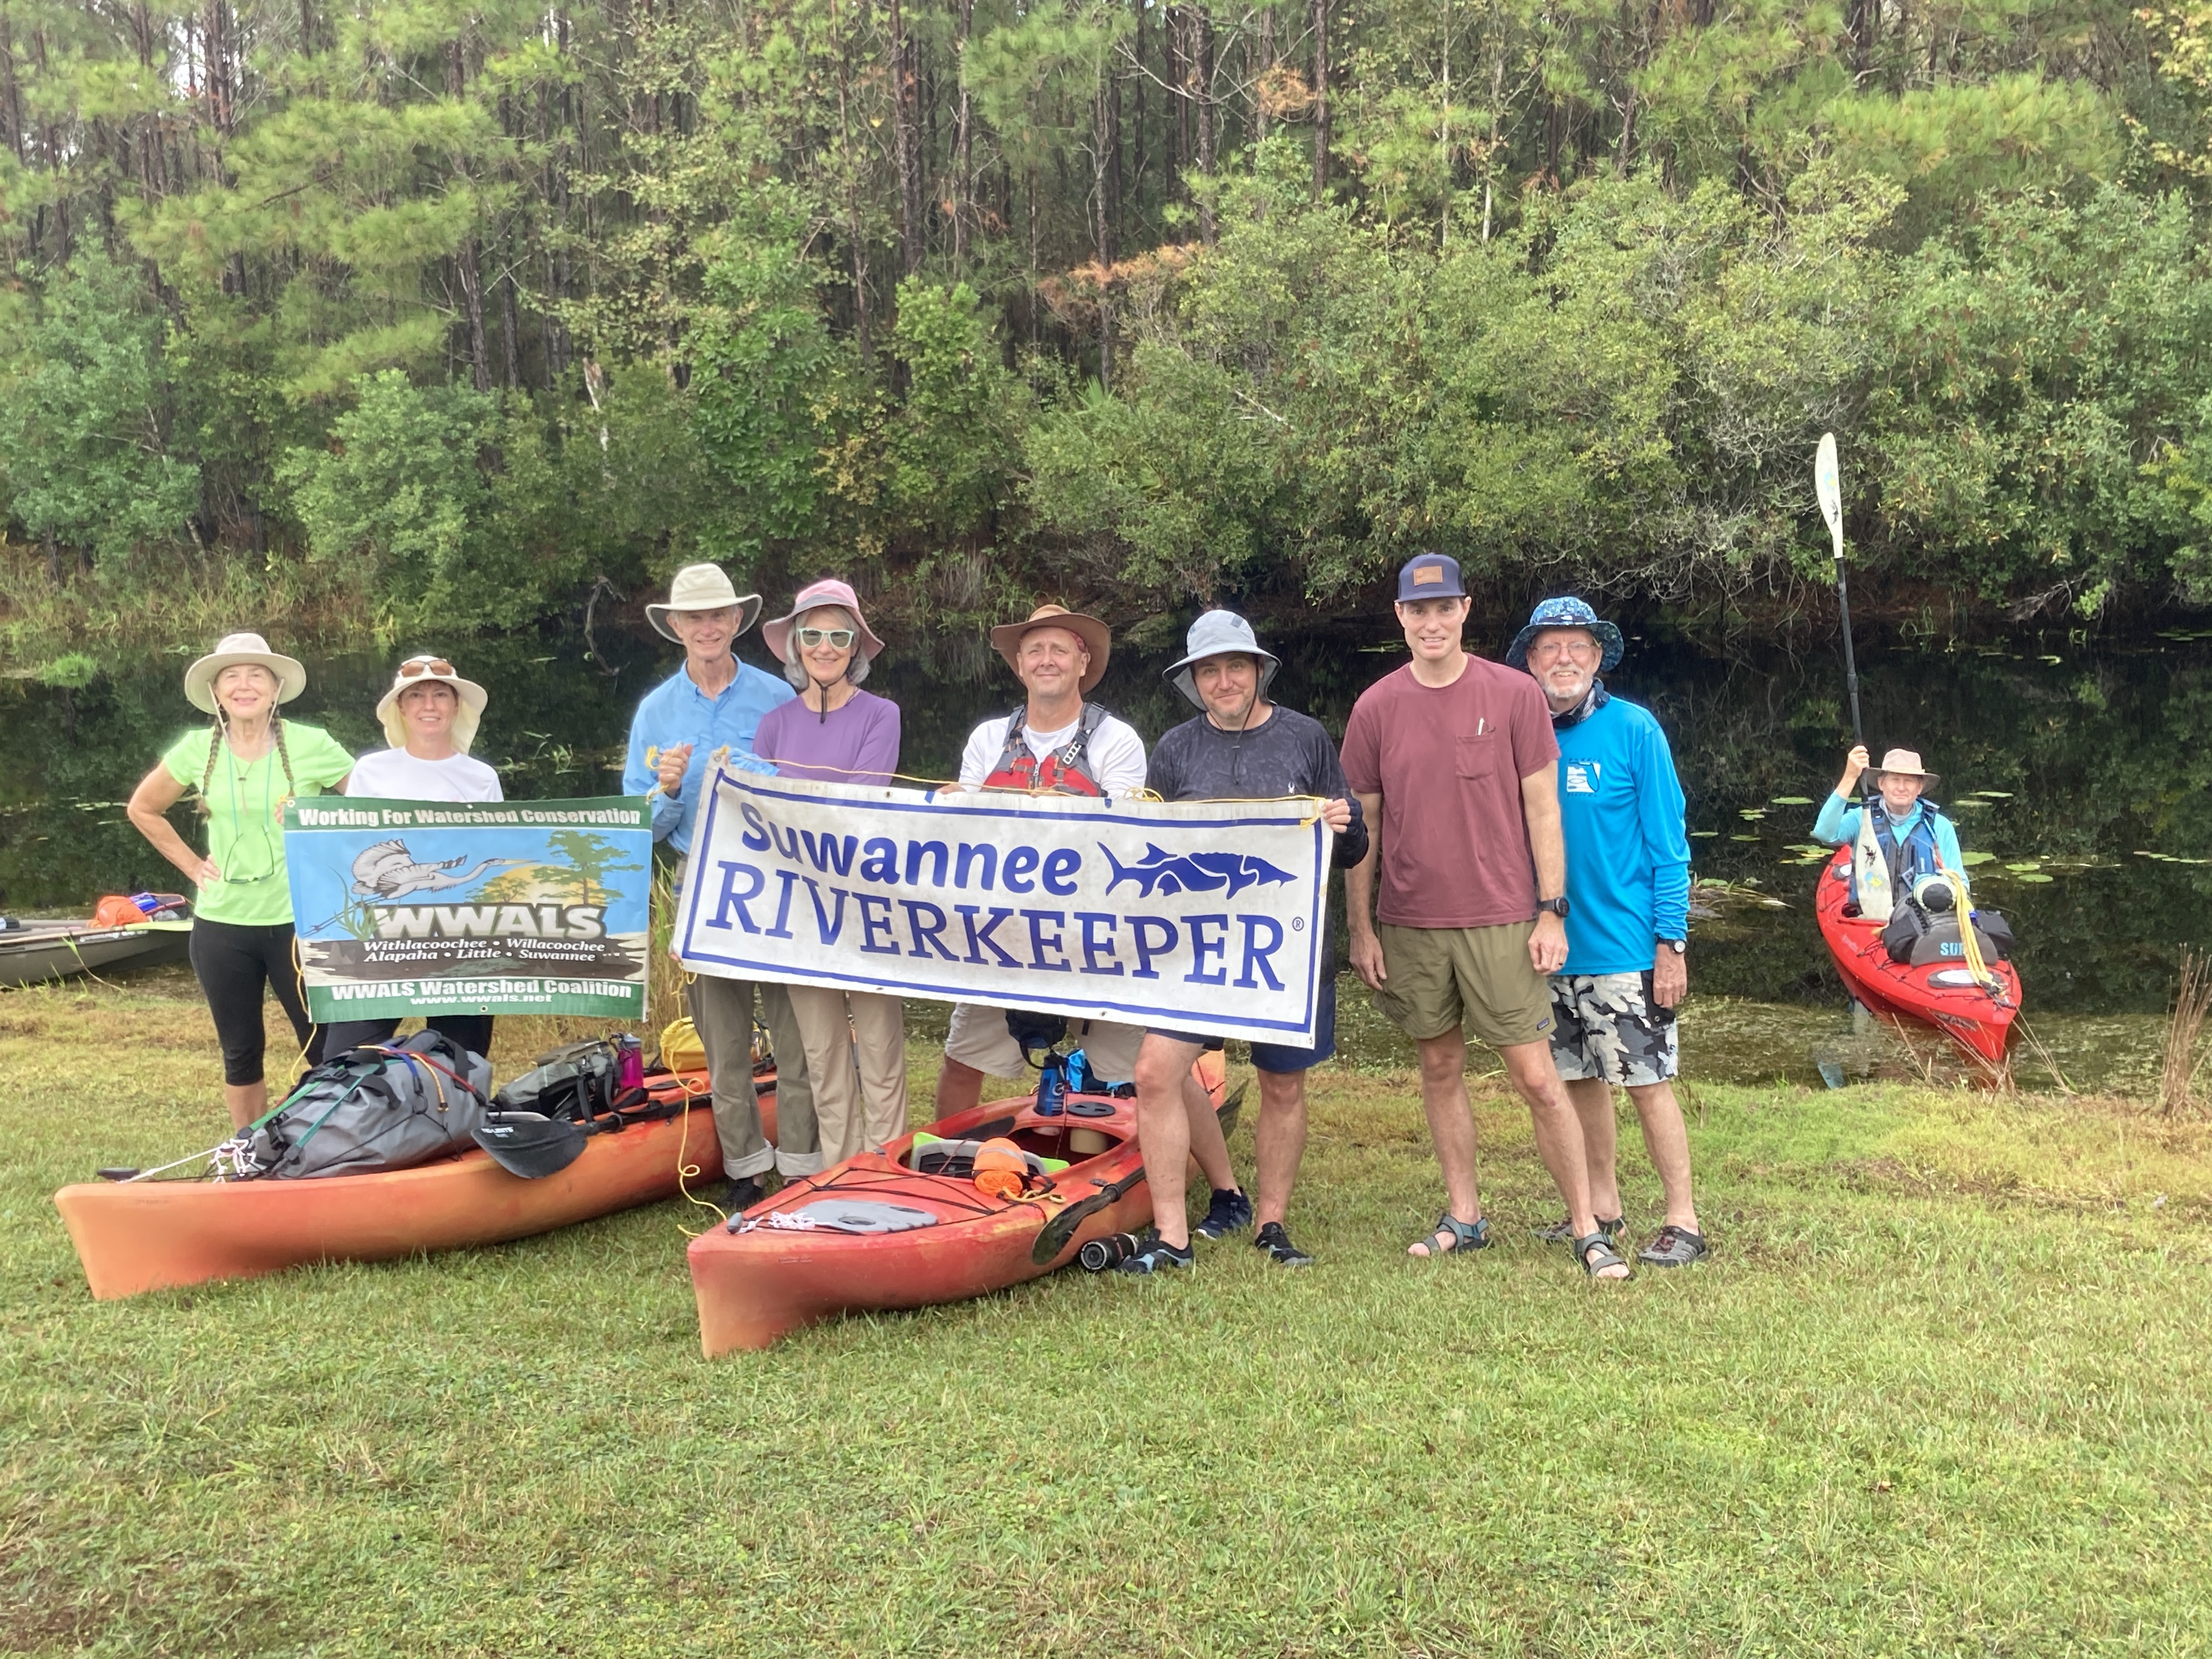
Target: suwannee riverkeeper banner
{"points": [[1196, 916], [409, 907]]}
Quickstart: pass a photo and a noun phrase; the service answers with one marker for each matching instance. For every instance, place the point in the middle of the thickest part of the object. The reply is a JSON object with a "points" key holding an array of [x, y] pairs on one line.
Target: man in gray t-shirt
{"points": [[1241, 747]]}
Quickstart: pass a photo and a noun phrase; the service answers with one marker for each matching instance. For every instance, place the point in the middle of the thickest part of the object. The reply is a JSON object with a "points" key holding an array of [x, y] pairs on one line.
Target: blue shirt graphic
{"points": [[678, 711], [1628, 848]]}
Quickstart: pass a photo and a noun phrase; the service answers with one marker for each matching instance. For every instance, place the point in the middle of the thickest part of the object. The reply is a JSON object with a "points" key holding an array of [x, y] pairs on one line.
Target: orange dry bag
{"points": [[1002, 1169]]}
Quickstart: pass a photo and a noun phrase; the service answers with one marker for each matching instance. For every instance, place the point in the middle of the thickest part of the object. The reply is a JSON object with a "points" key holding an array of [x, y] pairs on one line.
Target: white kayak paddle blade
{"points": [[1827, 481]]}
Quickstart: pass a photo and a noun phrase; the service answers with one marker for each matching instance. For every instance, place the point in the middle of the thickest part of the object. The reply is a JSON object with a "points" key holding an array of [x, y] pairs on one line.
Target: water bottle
{"points": [[1051, 1087], [629, 1063]]}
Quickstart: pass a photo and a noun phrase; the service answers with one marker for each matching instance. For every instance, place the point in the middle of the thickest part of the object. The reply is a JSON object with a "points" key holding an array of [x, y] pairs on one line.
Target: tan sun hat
{"points": [[1905, 763], [1006, 638], [427, 668], [233, 648], [702, 587]]}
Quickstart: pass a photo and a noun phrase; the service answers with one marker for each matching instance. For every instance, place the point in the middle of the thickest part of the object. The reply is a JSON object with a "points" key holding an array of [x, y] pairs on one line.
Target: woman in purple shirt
{"points": [[834, 733]]}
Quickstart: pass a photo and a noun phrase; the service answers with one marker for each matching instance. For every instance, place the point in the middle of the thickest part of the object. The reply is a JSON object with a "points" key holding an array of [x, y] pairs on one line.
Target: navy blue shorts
{"points": [[1273, 1057]]}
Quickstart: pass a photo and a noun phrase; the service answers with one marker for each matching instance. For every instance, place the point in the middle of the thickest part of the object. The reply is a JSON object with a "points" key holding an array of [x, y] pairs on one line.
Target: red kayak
{"points": [[138, 1236], [1944, 994], [875, 1233]]}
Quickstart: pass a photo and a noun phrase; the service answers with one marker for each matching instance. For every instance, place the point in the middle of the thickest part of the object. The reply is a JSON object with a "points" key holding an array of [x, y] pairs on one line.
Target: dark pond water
{"points": [[2082, 773]]}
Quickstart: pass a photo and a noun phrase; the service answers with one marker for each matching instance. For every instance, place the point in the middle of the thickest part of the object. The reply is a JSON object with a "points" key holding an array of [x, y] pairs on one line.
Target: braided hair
{"points": [[218, 733]]}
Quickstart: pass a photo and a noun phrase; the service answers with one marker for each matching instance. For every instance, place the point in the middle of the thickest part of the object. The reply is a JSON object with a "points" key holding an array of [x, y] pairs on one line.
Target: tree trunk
{"points": [[905, 163], [1320, 15], [1104, 175], [1201, 109], [1260, 81], [963, 182]]}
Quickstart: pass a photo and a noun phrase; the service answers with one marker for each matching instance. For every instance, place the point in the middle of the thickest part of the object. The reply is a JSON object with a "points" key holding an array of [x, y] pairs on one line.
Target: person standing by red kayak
{"points": [[837, 733], [1453, 761], [1240, 747], [1054, 743], [1628, 923], [713, 702]]}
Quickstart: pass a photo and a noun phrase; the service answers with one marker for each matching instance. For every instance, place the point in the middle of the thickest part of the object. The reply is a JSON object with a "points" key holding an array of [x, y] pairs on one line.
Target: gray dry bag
{"points": [[390, 1107]]}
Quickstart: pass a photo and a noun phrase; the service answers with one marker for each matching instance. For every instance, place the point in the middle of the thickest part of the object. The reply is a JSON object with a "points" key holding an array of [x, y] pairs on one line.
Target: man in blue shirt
{"points": [[1628, 917], [715, 703]]}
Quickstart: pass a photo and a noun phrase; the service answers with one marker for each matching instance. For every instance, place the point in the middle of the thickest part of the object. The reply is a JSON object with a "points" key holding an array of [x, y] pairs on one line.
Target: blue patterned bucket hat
{"points": [[1566, 613]]}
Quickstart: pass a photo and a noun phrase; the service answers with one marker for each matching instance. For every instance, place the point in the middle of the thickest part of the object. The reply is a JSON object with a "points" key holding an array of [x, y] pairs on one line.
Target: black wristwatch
{"points": [[1558, 907], [1677, 945]]}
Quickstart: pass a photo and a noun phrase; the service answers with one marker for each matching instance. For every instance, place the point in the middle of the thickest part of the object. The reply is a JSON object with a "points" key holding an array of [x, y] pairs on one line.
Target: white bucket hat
{"points": [[1220, 634], [428, 667], [233, 648], [702, 587]]}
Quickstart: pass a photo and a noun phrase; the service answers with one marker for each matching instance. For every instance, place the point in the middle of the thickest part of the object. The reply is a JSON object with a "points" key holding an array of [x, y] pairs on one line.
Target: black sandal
{"points": [[1465, 1236], [1596, 1254]]}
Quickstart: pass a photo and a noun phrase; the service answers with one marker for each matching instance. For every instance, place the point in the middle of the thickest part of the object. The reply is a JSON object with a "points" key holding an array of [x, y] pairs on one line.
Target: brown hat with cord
{"points": [[1096, 637]]}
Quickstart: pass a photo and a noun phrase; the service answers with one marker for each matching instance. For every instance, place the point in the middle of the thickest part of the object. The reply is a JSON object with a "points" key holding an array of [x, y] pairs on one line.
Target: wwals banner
{"points": [[1195, 916], [409, 907]]}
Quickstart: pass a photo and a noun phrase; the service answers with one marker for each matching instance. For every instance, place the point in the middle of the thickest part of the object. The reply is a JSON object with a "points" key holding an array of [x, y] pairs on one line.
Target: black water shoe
{"points": [[1275, 1245], [1155, 1257], [1229, 1212], [742, 1194]]}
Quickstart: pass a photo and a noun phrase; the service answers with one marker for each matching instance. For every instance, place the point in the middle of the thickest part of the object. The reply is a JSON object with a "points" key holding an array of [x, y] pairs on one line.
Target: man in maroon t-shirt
{"points": [[1452, 760]]}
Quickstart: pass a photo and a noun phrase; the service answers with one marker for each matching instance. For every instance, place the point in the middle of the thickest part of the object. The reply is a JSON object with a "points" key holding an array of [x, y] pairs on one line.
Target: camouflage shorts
{"points": [[1606, 1027]]}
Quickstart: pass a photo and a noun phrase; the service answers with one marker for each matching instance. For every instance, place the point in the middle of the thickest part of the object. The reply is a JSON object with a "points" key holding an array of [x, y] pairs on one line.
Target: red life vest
{"points": [[1067, 769]]}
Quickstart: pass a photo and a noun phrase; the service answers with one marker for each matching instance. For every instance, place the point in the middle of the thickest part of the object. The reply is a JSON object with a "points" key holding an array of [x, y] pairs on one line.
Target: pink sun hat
{"points": [[776, 633]]}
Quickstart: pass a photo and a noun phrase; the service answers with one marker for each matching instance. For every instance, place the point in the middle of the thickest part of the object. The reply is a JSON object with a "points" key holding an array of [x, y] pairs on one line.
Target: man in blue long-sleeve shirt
{"points": [[714, 702], [1628, 918]]}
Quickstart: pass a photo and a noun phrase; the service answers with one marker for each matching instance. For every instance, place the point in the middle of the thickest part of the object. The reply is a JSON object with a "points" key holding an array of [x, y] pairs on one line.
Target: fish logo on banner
{"points": [[1041, 903]]}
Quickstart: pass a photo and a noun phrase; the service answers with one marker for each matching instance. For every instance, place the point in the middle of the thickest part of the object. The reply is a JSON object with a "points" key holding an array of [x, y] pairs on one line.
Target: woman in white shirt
{"points": [[430, 716]]}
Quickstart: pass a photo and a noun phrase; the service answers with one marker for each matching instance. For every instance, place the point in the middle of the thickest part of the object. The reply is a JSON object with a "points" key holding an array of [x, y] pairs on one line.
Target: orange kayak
{"points": [[140, 1236], [788, 1263]]}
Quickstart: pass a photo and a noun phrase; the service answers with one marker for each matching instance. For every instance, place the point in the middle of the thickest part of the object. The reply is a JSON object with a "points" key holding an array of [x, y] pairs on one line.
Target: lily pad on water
{"points": [[2169, 858], [1699, 835], [2034, 875], [1791, 800], [1969, 805], [1994, 794], [1743, 837], [2027, 865], [1981, 858], [1751, 811]]}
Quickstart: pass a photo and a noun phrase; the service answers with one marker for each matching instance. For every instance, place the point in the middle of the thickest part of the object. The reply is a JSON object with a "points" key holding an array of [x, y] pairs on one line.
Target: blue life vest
{"points": [[1914, 856]]}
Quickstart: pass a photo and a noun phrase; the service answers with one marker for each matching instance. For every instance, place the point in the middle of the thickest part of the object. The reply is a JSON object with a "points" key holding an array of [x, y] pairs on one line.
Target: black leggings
{"points": [[471, 1031], [234, 963]]}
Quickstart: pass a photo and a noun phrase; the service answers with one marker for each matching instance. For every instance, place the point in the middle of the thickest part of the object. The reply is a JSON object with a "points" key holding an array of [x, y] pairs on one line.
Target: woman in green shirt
{"points": [[245, 768]]}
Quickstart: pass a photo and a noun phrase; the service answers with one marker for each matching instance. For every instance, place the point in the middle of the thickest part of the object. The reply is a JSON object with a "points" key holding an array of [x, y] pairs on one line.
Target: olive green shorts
{"points": [[1478, 979]]}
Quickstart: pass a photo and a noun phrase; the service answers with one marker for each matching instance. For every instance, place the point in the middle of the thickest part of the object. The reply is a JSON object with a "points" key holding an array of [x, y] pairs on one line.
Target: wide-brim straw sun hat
{"points": [[702, 587], [1219, 634], [232, 649], [1567, 613], [776, 633], [1006, 638], [435, 670], [1905, 763]]}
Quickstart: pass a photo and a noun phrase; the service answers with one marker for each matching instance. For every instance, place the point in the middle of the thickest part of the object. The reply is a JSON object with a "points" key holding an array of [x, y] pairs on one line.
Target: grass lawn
{"points": [[1944, 1388]]}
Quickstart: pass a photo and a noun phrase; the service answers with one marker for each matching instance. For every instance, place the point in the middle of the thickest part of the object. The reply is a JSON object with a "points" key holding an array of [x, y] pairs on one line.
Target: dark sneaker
{"points": [[1273, 1241], [742, 1194], [1562, 1231], [1154, 1258], [1676, 1246], [1229, 1212]]}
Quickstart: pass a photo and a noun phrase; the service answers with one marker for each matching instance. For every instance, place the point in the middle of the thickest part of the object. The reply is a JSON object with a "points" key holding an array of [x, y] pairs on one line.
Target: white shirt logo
{"points": [[1582, 777]]}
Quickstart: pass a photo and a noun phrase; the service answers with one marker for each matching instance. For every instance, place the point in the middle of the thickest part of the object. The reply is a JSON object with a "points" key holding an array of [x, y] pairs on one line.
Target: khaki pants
{"points": [[722, 1009], [857, 1106]]}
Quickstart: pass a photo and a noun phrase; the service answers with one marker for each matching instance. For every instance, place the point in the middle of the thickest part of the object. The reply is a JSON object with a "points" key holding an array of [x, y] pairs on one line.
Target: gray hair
{"points": [[795, 670]]}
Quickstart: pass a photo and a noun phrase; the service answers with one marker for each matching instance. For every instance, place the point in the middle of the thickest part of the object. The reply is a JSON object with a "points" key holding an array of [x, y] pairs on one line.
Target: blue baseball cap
{"points": [[1430, 576], [1566, 613]]}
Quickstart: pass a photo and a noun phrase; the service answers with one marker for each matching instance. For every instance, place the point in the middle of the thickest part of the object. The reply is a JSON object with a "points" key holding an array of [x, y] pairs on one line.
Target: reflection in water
{"points": [[2069, 767]]}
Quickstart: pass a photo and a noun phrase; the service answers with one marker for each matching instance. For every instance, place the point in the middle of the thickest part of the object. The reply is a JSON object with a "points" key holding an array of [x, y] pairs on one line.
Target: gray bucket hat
{"points": [[1220, 634]]}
